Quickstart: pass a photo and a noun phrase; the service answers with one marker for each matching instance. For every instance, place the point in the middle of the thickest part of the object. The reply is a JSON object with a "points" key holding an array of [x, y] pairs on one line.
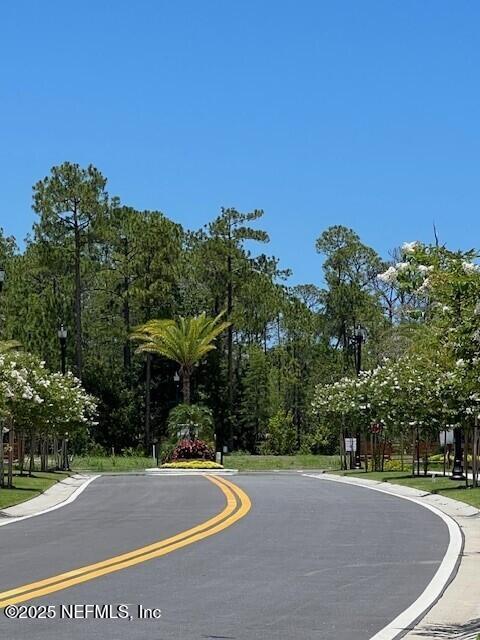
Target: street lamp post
{"points": [[457, 471], [62, 336], [360, 337], [176, 379]]}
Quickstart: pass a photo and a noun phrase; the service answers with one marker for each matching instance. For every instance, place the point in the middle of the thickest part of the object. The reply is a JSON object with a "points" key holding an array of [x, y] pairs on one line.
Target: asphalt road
{"points": [[311, 560]]}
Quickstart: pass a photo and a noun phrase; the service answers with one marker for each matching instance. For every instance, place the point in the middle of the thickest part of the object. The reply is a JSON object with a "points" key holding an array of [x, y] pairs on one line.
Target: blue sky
{"points": [[362, 113]]}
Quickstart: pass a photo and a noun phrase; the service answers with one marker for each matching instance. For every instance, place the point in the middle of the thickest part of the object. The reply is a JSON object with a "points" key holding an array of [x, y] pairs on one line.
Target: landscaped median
{"points": [[28, 487]]}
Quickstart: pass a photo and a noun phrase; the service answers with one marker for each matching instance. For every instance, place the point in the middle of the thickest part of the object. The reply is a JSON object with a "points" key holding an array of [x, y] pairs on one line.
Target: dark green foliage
{"points": [[281, 437], [193, 420], [102, 269]]}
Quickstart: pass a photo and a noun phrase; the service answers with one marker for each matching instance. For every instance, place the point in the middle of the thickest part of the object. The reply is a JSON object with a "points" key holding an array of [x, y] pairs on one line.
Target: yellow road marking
{"points": [[237, 506]]}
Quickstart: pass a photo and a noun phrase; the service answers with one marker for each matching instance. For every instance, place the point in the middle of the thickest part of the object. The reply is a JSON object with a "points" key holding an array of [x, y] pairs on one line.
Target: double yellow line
{"points": [[237, 506]]}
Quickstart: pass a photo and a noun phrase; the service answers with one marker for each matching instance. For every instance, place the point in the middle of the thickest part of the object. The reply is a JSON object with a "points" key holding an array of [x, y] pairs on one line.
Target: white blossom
{"points": [[389, 276], [410, 247], [470, 267]]}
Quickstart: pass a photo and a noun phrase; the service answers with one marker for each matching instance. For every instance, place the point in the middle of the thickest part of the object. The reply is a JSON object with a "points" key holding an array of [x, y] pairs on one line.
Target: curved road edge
{"points": [[59, 495], [440, 598]]}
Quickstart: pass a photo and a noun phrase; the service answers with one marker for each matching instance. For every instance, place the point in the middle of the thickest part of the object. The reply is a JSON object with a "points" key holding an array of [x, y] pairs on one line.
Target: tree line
{"points": [[102, 269]]}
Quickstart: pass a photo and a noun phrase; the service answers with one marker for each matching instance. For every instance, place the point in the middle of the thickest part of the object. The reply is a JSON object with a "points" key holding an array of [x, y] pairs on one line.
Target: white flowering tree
{"points": [[450, 283], [397, 400], [37, 405]]}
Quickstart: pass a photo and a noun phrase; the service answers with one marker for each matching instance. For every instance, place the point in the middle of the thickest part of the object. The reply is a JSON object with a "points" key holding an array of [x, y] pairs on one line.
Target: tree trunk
{"points": [[2, 457], [11, 441], [43, 457], [230, 350], [186, 387], [33, 445], [148, 384], [21, 453], [127, 354], [413, 452], [475, 453], [465, 454], [341, 446], [78, 301]]}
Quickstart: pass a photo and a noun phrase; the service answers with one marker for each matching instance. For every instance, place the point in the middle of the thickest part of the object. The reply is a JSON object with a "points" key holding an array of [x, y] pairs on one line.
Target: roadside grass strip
{"points": [[237, 506]]}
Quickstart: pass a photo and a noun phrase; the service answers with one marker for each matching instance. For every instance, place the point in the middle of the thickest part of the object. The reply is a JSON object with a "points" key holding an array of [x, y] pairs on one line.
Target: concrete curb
{"points": [[456, 613], [190, 472], [59, 495]]}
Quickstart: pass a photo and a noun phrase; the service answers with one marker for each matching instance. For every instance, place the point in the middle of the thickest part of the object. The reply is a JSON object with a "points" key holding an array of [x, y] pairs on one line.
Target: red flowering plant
{"points": [[193, 450]]}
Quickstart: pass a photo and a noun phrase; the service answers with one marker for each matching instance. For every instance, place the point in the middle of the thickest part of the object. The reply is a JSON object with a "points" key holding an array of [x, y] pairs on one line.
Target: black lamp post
{"points": [[360, 337], [62, 336], [457, 471], [176, 379]]}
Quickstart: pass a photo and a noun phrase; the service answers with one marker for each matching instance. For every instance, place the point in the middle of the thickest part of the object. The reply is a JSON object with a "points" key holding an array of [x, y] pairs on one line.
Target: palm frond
{"points": [[185, 341]]}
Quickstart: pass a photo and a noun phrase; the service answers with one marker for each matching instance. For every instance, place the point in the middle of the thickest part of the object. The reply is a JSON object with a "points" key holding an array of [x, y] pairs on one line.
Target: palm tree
{"points": [[185, 341]]}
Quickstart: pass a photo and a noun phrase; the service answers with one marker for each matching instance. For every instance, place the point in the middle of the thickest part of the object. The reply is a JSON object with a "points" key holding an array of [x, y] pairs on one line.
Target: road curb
{"points": [[59, 495], [157, 471], [455, 612]]}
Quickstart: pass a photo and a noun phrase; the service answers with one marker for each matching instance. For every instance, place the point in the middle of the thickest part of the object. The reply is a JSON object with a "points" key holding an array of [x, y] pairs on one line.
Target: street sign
{"points": [[350, 445], [449, 436]]}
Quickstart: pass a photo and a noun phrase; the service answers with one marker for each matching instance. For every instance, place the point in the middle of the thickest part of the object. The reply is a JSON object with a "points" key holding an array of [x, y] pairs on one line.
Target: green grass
{"points": [[269, 463], [26, 488], [443, 486], [112, 463], [240, 462]]}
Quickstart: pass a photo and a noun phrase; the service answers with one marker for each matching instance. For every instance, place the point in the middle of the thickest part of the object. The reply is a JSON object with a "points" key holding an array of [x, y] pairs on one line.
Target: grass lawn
{"points": [[240, 462], [112, 463], [26, 488], [444, 486], [269, 463]]}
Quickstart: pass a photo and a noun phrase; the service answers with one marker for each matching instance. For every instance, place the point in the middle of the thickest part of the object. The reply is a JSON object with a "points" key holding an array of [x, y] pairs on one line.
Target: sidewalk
{"points": [[58, 495], [456, 614]]}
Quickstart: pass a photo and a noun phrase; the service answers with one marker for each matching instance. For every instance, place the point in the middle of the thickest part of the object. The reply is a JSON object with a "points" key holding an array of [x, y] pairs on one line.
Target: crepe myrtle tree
{"points": [[398, 399], [450, 284], [344, 407], [37, 405]]}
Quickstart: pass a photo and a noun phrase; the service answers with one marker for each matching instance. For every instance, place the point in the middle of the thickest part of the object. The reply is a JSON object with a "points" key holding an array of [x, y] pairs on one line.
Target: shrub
{"points": [[95, 450], [396, 465], [131, 452], [282, 436], [320, 441], [194, 418], [191, 450], [192, 464], [166, 451]]}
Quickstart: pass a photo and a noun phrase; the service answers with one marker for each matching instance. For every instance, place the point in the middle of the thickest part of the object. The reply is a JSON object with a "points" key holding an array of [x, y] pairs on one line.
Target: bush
{"points": [[192, 464], [281, 437], [191, 450], [195, 418], [95, 450], [320, 441], [166, 451], [130, 452], [396, 465]]}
